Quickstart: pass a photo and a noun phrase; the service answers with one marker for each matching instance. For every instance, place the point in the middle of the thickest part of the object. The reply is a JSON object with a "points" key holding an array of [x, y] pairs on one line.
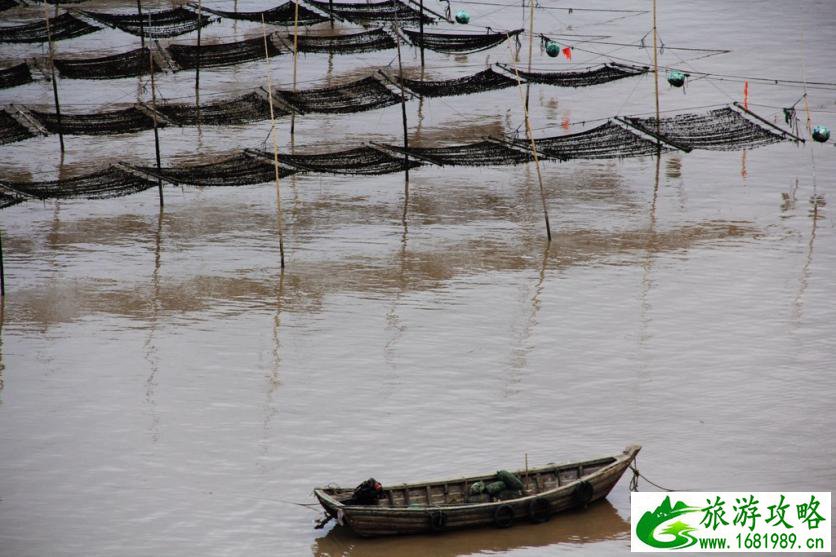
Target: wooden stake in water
{"points": [[197, 65], [279, 222], [154, 119], [656, 67], [405, 131], [141, 26], [295, 59], [530, 47], [2, 271], [331, 12], [421, 31], [54, 81], [533, 146]]}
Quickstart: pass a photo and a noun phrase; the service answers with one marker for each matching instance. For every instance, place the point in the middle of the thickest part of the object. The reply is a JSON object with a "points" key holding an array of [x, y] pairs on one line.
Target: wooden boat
{"points": [[447, 505]]}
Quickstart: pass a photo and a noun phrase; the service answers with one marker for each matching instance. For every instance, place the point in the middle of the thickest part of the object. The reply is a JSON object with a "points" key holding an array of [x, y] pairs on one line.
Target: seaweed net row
{"points": [[251, 107], [12, 131], [7, 5], [366, 94], [458, 42], [15, 75], [607, 141], [481, 153], [239, 170], [110, 182], [602, 74], [361, 160], [64, 26], [126, 64], [156, 25], [366, 41], [127, 120], [222, 54], [485, 80], [723, 129], [280, 15], [356, 12]]}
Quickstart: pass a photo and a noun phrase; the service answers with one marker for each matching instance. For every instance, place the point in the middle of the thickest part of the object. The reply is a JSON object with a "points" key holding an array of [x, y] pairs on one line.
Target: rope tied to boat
{"points": [[634, 481]]}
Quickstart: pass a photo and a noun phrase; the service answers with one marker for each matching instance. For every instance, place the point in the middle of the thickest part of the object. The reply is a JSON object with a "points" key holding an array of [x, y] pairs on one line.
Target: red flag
{"points": [[565, 123], [746, 94], [567, 52]]}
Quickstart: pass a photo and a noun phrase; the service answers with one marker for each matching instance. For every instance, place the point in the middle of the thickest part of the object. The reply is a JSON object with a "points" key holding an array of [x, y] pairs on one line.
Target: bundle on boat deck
{"points": [[110, 182], [485, 80], [222, 54], [64, 26], [365, 41], [360, 12], [602, 74], [609, 140], [719, 130], [358, 96], [16, 75], [453, 504], [251, 107], [239, 170], [280, 15], [361, 160], [126, 64], [480, 153], [156, 25], [11, 130], [459, 42]]}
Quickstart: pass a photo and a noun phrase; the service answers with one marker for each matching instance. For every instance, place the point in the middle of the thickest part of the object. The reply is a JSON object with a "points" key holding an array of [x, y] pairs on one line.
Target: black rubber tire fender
{"points": [[438, 521], [539, 510], [583, 493], [503, 516]]}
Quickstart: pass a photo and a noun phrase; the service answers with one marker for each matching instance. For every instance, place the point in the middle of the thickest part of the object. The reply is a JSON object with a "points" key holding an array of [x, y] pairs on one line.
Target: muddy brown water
{"points": [[165, 390]]}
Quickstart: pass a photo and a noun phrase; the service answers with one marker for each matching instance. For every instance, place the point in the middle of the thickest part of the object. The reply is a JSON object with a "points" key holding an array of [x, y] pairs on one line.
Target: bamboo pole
{"points": [[656, 66], [533, 145], [405, 131], [331, 12], [141, 26], [279, 222], [2, 271], [295, 61], [530, 48], [421, 28], [54, 82], [197, 65], [156, 126]]}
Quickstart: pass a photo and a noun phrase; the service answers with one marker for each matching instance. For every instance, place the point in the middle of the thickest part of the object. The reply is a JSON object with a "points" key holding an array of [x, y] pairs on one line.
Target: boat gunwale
{"points": [[627, 456]]}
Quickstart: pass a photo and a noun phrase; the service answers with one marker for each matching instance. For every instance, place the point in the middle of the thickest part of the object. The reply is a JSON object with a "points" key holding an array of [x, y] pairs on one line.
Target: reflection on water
{"points": [[600, 522]]}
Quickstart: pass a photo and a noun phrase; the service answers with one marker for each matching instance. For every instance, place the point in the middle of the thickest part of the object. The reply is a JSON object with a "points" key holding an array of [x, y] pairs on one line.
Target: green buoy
{"points": [[821, 134], [676, 78], [552, 49], [462, 17]]}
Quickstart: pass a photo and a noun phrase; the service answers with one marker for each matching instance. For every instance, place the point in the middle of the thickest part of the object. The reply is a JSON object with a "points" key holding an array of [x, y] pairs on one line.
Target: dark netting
{"points": [[483, 81], [62, 27], [390, 10], [168, 23], [365, 94], [362, 160], [720, 130], [481, 153], [9, 197], [603, 74], [239, 170], [458, 42], [110, 182], [280, 15], [224, 54], [606, 141], [248, 108], [16, 75], [367, 41], [11, 130], [126, 64], [7, 4], [127, 120]]}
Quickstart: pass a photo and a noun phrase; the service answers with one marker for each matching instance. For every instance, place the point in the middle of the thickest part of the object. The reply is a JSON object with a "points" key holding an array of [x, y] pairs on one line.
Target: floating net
{"points": [[458, 42], [62, 27], [361, 160], [249, 108], [9, 197], [168, 23], [367, 41], [485, 80], [11, 130], [359, 96], [126, 64], [110, 182], [606, 141], [224, 54], [391, 10], [481, 153], [723, 129], [280, 15], [602, 74], [112, 122], [238, 170], [16, 75]]}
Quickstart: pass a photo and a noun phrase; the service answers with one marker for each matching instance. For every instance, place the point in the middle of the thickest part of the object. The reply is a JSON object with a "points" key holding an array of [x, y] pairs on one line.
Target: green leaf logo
{"points": [[681, 532]]}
